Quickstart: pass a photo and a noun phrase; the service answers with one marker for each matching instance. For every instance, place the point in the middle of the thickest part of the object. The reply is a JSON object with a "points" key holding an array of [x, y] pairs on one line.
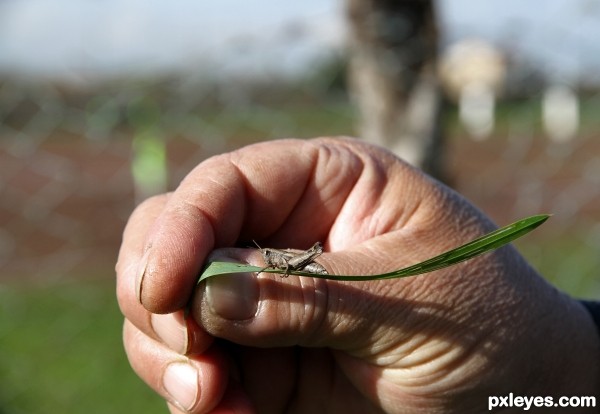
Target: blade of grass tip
{"points": [[224, 268], [484, 244]]}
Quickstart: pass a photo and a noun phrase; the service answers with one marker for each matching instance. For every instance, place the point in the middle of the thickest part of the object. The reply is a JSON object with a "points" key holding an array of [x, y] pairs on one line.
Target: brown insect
{"points": [[292, 259]]}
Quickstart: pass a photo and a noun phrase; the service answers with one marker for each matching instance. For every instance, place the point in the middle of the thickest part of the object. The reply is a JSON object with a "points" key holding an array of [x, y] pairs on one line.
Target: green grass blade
{"points": [[224, 268], [467, 251], [487, 243]]}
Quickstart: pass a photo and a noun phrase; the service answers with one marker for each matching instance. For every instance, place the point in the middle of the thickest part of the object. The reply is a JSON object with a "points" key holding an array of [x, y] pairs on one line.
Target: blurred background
{"points": [[103, 104]]}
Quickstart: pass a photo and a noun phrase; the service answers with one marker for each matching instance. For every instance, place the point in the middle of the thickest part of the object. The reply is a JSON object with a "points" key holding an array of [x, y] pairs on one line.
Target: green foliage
{"points": [[61, 352]]}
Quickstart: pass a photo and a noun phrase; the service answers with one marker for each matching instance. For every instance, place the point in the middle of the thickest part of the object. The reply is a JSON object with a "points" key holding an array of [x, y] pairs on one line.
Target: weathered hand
{"points": [[443, 342]]}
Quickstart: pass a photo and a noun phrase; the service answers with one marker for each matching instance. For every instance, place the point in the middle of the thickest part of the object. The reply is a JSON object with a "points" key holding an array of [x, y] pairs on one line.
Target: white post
{"points": [[560, 113]]}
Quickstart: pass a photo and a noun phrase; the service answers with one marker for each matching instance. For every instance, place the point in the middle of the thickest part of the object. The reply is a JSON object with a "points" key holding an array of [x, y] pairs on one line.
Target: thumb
{"points": [[267, 310]]}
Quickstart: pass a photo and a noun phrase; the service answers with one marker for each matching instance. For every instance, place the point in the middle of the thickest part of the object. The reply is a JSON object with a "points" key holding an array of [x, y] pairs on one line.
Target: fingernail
{"points": [[180, 381], [233, 297], [141, 272], [172, 330]]}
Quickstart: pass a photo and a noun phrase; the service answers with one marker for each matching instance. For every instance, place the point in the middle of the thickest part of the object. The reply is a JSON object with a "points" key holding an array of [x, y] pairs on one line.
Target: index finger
{"points": [[268, 190]]}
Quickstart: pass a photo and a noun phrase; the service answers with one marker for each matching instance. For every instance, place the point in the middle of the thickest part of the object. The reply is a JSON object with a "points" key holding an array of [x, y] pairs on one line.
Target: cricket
{"points": [[292, 259]]}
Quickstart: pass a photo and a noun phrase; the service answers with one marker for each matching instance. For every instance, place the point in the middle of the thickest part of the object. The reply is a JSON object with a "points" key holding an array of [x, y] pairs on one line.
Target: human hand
{"points": [[443, 342]]}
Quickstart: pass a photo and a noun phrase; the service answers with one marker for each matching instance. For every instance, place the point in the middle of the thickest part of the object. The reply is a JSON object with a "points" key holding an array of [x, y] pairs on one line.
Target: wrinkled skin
{"points": [[439, 343]]}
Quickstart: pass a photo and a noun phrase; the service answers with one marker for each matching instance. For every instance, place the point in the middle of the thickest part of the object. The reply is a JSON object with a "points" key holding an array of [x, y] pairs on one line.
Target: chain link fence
{"points": [[74, 163]]}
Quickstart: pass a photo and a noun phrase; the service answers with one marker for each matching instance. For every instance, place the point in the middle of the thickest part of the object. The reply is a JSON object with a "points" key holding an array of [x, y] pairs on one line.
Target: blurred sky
{"points": [[73, 37]]}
